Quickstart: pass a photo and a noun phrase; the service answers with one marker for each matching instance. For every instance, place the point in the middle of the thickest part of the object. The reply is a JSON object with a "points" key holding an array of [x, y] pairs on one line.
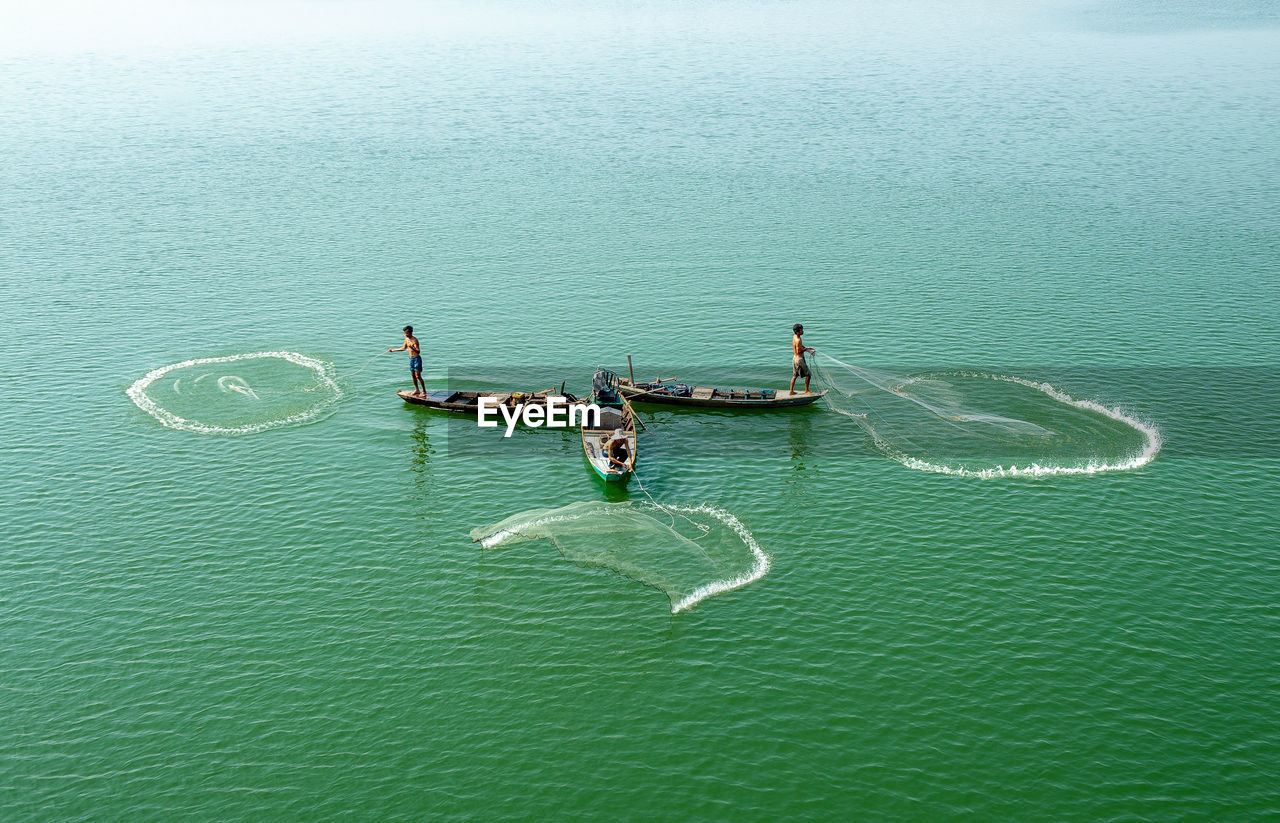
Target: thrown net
{"points": [[239, 393], [985, 425], [689, 553]]}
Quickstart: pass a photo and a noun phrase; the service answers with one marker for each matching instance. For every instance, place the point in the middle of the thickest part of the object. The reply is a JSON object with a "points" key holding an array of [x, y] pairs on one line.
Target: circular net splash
{"points": [[689, 553], [985, 425], [239, 393]]}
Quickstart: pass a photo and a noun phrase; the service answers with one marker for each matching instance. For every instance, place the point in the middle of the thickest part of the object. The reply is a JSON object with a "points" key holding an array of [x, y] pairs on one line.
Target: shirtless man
{"points": [[618, 453], [415, 360], [799, 368]]}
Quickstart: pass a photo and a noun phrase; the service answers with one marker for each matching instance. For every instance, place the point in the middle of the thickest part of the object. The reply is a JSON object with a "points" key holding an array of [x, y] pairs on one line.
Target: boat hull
{"points": [[721, 399], [467, 402], [616, 428], [613, 478]]}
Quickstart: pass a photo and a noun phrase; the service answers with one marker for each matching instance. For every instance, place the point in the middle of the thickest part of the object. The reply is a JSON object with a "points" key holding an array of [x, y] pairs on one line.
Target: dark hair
{"points": [[797, 328], [408, 329]]}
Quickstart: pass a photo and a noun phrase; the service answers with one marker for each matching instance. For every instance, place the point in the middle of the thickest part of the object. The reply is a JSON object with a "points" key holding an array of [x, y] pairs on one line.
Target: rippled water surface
{"points": [[292, 623]]}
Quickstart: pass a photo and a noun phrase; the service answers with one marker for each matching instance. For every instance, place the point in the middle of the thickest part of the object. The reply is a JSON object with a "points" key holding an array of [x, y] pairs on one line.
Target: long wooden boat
{"points": [[609, 443], [468, 402], [670, 393]]}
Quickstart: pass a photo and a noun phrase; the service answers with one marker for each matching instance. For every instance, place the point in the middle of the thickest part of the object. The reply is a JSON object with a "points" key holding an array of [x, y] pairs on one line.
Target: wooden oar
{"points": [[632, 412]]}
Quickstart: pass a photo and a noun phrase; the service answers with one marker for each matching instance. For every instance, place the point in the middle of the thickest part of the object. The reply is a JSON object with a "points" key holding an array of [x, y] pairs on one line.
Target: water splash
{"points": [[323, 392], [232, 383], [632, 540], [928, 422]]}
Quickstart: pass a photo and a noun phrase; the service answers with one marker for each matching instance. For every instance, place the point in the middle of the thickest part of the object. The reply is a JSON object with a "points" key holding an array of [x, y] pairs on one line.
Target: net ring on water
{"points": [[323, 369]]}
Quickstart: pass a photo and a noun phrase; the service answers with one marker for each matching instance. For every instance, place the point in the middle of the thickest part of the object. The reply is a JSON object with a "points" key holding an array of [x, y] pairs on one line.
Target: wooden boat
{"points": [[670, 393], [609, 443], [468, 402]]}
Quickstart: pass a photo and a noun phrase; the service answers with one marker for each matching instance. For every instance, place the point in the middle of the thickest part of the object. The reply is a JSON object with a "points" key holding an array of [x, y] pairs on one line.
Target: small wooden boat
{"points": [[609, 443], [467, 402], [670, 393]]}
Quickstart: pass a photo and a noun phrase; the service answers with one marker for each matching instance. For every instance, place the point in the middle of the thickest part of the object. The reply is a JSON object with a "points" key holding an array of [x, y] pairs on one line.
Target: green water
{"points": [[294, 624]]}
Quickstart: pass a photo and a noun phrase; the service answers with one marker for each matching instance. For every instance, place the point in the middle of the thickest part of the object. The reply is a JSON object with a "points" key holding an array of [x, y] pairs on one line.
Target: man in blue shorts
{"points": [[415, 360]]}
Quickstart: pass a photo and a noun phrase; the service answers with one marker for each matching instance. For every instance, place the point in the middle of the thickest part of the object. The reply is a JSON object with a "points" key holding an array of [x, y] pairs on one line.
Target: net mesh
{"points": [[689, 553], [238, 394], [985, 425]]}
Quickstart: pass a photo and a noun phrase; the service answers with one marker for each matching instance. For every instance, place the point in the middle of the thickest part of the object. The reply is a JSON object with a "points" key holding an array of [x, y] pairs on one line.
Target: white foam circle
{"points": [[326, 381]]}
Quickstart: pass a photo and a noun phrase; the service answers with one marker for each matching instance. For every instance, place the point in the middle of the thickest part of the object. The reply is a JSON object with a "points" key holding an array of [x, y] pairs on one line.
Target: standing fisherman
{"points": [[799, 368], [415, 360]]}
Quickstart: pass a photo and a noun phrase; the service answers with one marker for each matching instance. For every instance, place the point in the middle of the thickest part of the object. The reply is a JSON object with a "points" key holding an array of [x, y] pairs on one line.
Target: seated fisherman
{"points": [[618, 453]]}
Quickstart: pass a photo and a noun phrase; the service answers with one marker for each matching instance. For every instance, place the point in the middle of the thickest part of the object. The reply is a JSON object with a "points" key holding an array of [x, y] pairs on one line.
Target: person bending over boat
{"points": [[415, 360], [618, 453], [799, 368]]}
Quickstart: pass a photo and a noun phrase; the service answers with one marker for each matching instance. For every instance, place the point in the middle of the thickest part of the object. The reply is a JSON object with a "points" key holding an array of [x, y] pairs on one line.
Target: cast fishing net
{"points": [[239, 393], [985, 425], [688, 553]]}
